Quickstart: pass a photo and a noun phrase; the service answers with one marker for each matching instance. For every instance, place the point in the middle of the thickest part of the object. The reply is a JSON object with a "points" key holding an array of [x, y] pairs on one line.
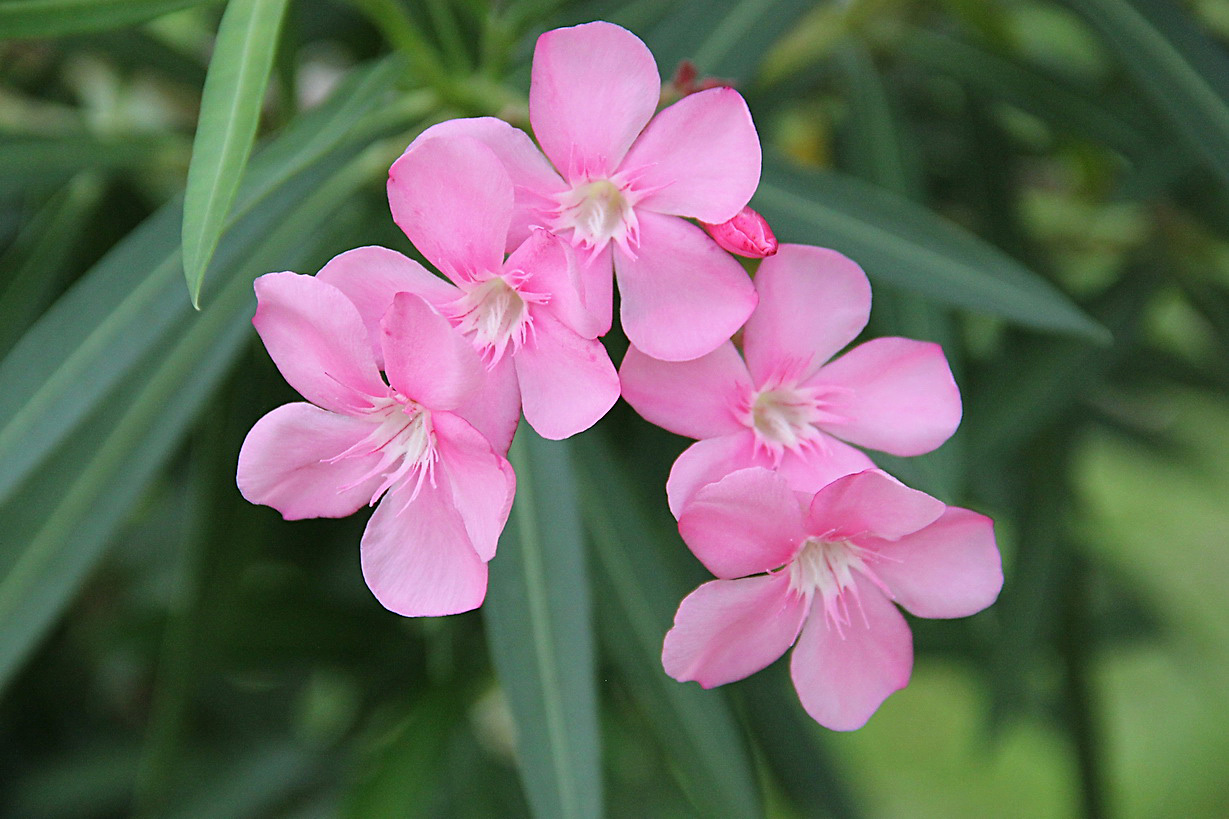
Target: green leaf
{"points": [[27, 160], [62, 517], [35, 266], [638, 592], [65, 513], [54, 18], [230, 111], [537, 616], [906, 246], [794, 747], [115, 378], [725, 38], [98, 331], [875, 139], [1175, 66], [1062, 103]]}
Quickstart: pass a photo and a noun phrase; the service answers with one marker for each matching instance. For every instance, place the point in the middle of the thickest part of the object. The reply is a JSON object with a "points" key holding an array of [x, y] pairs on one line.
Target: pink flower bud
{"points": [[747, 234]]}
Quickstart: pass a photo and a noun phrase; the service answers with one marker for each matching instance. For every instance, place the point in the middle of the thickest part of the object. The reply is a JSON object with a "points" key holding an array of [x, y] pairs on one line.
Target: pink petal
{"points": [[813, 302], [812, 468], [698, 158], [567, 382], [370, 277], [709, 461], [698, 398], [597, 286], [747, 522], [284, 463], [593, 88], [729, 629], [495, 408], [483, 483], [316, 337], [453, 199], [894, 394], [425, 358], [870, 503], [533, 179], [843, 679], [682, 295], [554, 271], [951, 568], [416, 555]]}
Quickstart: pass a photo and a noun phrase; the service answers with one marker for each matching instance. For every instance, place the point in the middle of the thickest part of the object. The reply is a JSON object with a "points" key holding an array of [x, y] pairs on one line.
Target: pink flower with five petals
{"points": [[622, 182], [822, 570], [443, 492], [523, 315], [783, 405]]}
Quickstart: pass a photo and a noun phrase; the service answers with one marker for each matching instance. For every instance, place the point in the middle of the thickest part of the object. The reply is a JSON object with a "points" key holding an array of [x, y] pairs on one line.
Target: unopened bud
{"points": [[747, 234]]}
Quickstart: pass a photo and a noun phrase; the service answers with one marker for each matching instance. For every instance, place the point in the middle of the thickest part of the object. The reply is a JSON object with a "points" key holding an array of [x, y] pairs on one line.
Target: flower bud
{"points": [[747, 234]]}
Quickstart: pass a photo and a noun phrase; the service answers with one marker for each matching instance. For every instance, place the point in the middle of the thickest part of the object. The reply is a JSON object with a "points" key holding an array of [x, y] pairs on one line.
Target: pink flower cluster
{"points": [[416, 383]]}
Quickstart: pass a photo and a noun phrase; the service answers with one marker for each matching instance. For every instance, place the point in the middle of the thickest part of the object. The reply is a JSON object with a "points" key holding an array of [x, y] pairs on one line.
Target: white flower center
{"points": [[495, 313], [598, 212], [828, 567], [784, 417], [405, 440]]}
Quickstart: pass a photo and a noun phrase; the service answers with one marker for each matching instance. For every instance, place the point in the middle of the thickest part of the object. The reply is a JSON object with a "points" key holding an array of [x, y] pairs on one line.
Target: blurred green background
{"points": [[1040, 185]]}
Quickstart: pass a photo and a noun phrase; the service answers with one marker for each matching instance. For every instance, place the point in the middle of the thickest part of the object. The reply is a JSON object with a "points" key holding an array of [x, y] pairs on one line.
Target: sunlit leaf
{"points": [[230, 111]]}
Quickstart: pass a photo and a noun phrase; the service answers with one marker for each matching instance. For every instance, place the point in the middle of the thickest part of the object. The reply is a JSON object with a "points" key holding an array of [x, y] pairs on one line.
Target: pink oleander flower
{"points": [[621, 184], [747, 234], [524, 315], [782, 405], [823, 570], [444, 493]]}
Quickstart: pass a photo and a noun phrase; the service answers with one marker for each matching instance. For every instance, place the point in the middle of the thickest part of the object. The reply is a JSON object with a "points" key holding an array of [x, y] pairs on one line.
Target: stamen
{"points": [[597, 212], [828, 567], [405, 440], [785, 416], [494, 312]]}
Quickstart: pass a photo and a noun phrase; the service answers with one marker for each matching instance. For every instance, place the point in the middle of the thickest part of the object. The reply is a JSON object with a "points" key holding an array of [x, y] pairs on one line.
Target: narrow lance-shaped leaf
{"points": [[230, 111], [55, 18], [62, 517], [904, 245], [875, 137], [639, 590], [1176, 68], [537, 615], [100, 329]]}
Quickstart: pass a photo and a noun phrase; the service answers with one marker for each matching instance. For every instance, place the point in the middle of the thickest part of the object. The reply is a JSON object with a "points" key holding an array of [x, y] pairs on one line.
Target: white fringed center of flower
{"points": [[784, 417], [827, 567], [495, 313], [598, 212], [405, 440]]}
